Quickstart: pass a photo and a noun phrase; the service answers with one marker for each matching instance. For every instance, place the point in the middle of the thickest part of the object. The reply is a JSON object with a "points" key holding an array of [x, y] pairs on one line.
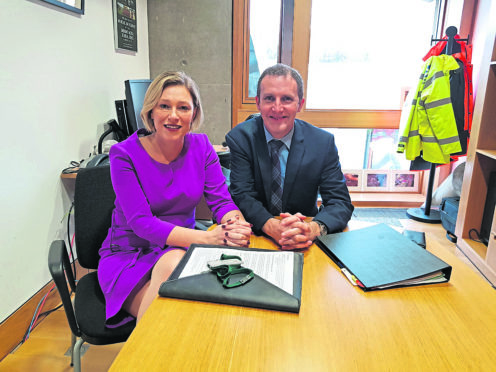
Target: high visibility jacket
{"points": [[465, 56], [427, 121]]}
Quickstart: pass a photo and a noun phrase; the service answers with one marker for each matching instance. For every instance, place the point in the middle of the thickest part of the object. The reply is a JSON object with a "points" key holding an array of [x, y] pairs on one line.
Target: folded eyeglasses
{"points": [[228, 266]]}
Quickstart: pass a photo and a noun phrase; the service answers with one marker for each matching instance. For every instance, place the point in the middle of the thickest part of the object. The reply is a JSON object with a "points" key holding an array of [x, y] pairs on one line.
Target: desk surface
{"points": [[447, 327]]}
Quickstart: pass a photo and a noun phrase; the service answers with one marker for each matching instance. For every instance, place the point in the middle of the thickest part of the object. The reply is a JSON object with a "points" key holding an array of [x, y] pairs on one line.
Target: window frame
{"points": [[243, 106], [300, 11], [295, 25]]}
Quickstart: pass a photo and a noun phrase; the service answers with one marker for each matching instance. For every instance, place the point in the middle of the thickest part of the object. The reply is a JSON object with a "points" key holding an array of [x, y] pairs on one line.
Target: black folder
{"points": [[417, 237], [257, 292], [379, 257]]}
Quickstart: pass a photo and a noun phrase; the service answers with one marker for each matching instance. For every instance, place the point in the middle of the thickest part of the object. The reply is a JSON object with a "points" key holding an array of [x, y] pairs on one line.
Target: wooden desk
{"points": [[444, 327]]}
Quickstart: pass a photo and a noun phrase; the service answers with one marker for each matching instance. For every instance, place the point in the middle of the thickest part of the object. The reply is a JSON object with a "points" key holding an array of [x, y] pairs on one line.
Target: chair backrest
{"points": [[94, 199]]}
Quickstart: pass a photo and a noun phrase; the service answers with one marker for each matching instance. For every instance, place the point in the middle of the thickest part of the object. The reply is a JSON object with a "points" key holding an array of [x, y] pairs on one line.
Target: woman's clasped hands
{"points": [[234, 232]]}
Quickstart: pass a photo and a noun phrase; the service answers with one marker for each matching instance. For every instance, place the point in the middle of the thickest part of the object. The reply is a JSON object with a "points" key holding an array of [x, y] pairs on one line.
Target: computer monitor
{"points": [[135, 95]]}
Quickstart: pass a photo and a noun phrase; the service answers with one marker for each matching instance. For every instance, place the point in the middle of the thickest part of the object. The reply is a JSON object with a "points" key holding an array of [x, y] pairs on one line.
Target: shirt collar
{"points": [[286, 139]]}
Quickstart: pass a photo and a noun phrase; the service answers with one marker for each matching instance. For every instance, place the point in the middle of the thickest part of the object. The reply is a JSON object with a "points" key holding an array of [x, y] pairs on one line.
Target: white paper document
{"points": [[276, 267]]}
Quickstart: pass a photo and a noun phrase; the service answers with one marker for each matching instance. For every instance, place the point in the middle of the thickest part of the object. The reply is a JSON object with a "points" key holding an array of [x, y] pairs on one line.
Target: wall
{"points": [[195, 36], [59, 77], [483, 20]]}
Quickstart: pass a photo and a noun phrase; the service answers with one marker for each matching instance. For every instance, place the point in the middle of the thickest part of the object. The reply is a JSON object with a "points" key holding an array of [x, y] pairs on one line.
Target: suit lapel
{"points": [[262, 153], [294, 160]]}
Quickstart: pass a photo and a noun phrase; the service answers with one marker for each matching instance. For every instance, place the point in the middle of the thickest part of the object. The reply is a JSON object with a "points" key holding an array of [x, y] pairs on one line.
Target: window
{"points": [[364, 61], [356, 57], [369, 149], [264, 39]]}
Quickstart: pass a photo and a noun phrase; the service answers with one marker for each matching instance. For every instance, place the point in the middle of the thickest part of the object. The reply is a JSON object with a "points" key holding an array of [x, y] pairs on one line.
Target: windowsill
{"points": [[390, 199], [364, 199]]}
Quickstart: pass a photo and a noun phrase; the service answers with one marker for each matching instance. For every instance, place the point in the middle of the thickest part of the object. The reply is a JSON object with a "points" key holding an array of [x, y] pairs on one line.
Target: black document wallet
{"points": [[379, 257], [258, 292]]}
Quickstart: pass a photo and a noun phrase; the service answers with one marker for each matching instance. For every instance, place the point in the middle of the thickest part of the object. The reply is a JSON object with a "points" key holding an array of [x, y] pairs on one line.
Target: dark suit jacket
{"points": [[313, 167]]}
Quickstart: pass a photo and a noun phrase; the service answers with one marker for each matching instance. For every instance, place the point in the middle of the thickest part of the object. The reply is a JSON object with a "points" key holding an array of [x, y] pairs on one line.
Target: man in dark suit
{"points": [[306, 164]]}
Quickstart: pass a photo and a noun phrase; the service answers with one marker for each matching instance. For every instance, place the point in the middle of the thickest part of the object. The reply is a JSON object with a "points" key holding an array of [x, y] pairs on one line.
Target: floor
{"points": [[46, 348]]}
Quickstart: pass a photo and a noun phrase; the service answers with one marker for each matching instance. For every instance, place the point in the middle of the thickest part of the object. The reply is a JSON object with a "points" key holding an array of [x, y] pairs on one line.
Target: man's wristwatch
{"points": [[322, 227]]}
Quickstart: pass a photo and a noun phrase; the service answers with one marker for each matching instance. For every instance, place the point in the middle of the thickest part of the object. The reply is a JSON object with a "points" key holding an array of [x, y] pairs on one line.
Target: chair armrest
{"points": [[59, 265], [200, 226]]}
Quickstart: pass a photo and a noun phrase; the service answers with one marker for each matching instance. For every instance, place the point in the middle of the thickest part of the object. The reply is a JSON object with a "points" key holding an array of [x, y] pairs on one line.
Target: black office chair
{"points": [[251, 116], [93, 202]]}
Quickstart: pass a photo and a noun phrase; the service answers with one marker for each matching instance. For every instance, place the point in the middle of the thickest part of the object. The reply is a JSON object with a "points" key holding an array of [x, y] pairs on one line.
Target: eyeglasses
{"points": [[229, 266]]}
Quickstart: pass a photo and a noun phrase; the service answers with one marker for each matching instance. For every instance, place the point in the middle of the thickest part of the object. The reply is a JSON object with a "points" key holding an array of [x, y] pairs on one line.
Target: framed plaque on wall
{"points": [[125, 30], [76, 6]]}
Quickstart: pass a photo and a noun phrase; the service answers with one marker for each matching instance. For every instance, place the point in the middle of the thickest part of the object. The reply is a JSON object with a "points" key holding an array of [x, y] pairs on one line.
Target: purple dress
{"points": [[151, 199]]}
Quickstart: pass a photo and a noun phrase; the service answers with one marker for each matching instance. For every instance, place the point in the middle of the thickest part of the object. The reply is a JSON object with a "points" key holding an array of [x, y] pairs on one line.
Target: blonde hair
{"points": [[155, 90]]}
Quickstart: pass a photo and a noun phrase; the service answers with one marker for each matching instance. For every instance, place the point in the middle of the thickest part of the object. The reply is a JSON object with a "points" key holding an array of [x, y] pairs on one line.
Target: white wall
{"points": [[59, 77]]}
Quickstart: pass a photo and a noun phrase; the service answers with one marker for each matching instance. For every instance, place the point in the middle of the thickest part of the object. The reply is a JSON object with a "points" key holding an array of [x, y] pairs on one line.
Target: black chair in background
{"points": [[203, 214], [93, 203], [224, 158], [251, 116]]}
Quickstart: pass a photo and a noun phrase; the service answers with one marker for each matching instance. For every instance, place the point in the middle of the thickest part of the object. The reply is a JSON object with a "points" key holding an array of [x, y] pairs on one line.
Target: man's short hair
{"points": [[282, 70]]}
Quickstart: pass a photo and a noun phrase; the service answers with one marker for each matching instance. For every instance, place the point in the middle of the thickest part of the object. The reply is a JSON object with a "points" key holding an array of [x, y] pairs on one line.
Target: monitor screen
{"points": [[135, 95]]}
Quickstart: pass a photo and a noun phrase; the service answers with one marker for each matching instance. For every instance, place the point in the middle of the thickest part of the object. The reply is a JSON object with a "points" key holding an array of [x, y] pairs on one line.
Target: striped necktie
{"points": [[276, 196]]}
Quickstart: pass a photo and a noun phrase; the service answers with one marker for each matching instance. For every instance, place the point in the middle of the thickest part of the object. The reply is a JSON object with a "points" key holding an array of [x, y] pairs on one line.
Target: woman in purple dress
{"points": [[159, 176]]}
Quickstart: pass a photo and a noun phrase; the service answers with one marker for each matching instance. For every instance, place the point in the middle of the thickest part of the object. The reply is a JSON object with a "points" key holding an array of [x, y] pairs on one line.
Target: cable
{"points": [[48, 312], [41, 307], [36, 314], [73, 168], [477, 233], [28, 331]]}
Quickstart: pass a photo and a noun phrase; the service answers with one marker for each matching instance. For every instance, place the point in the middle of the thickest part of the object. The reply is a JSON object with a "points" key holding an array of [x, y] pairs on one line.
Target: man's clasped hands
{"points": [[290, 231]]}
